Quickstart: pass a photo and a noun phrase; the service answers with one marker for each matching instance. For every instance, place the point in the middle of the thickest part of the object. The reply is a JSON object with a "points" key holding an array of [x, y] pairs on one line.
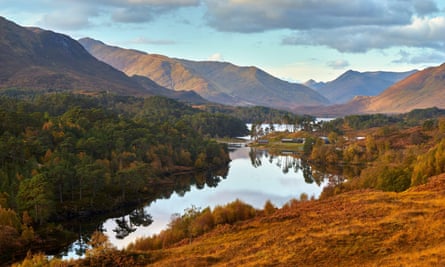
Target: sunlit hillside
{"points": [[360, 228]]}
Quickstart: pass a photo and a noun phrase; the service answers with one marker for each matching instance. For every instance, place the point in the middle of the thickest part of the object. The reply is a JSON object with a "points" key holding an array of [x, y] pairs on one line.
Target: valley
{"points": [[95, 138]]}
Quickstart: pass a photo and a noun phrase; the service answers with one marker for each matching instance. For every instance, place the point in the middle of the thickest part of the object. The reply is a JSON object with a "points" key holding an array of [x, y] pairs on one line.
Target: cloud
{"points": [[424, 57], [421, 32], [81, 12], [345, 25], [423, 7], [138, 11], [62, 21], [216, 57], [263, 15], [132, 15], [338, 64], [143, 40]]}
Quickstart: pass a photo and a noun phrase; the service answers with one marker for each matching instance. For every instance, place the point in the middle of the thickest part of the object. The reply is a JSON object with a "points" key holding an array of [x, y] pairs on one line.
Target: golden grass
{"points": [[360, 228]]}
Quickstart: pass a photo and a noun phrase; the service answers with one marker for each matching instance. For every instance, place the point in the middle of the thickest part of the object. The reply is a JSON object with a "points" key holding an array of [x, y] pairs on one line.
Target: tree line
{"points": [[395, 152]]}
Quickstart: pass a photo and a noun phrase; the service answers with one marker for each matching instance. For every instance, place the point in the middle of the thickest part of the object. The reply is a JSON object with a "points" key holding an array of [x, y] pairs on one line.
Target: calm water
{"points": [[254, 177], [266, 177]]}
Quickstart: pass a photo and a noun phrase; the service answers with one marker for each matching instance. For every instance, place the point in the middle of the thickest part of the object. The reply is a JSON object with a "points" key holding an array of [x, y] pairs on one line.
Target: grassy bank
{"points": [[360, 228]]}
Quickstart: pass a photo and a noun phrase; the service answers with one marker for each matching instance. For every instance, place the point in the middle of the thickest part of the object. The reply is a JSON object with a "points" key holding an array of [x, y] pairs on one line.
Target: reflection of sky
{"points": [[253, 185]]}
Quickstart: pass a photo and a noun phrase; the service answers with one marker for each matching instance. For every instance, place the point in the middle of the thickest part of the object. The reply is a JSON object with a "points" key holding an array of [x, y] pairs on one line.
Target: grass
{"points": [[360, 228]]}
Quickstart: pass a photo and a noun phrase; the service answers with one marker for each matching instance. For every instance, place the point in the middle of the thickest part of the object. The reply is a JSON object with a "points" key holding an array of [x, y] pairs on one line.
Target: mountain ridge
{"points": [[35, 58], [41, 59], [422, 89], [354, 83], [220, 82]]}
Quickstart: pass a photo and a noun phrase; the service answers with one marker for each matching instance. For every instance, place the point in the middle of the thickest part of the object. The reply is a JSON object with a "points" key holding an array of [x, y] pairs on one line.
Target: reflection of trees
{"points": [[123, 228], [161, 188], [307, 174], [81, 245], [212, 181], [255, 157], [138, 217], [311, 173]]}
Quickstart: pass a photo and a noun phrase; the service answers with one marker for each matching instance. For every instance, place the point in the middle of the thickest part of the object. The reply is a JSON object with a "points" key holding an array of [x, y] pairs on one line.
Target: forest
{"points": [[65, 156]]}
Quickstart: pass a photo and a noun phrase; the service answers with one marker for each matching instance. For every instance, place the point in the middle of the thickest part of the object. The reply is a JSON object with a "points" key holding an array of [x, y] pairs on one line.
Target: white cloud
{"points": [[216, 57], [61, 21], [338, 64], [424, 57], [144, 40]]}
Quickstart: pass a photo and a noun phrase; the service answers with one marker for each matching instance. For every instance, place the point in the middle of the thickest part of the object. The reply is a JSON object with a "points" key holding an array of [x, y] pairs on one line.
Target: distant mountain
{"points": [[423, 89], [314, 84], [354, 83], [216, 81]]}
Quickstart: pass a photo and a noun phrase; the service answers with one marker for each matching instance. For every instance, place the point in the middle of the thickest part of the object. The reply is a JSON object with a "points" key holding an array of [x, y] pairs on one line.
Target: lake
{"points": [[254, 176]]}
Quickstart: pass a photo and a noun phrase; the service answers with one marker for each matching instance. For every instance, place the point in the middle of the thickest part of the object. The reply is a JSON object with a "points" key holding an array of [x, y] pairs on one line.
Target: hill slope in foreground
{"points": [[360, 228]]}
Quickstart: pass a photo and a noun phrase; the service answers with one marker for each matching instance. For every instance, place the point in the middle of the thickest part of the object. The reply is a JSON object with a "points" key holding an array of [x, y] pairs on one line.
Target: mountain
{"points": [[40, 59], [33, 58], [423, 89], [354, 83], [155, 89], [314, 84], [220, 82]]}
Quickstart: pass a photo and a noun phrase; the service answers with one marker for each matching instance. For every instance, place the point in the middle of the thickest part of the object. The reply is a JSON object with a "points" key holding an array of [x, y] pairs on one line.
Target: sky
{"points": [[295, 40]]}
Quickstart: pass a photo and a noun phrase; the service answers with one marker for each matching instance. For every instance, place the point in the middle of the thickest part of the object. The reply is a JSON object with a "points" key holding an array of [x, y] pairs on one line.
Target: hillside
{"points": [[361, 228], [420, 90], [32, 58], [155, 89], [354, 83], [358, 228], [216, 81], [40, 59]]}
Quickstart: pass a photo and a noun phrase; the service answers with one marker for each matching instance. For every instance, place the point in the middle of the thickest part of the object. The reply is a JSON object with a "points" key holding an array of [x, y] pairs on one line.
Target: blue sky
{"points": [[291, 39]]}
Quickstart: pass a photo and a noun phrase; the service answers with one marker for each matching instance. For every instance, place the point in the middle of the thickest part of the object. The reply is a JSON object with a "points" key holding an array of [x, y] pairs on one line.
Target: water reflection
{"points": [[254, 176], [289, 161]]}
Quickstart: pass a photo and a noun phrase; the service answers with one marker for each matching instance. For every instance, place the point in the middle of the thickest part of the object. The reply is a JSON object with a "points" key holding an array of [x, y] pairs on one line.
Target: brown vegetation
{"points": [[360, 228]]}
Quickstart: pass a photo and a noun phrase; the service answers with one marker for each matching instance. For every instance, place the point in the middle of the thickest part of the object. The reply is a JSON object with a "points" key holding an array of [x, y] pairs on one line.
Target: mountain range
{"points": [[219, 82], [423, 89], [353, 83], [40, 59]]}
